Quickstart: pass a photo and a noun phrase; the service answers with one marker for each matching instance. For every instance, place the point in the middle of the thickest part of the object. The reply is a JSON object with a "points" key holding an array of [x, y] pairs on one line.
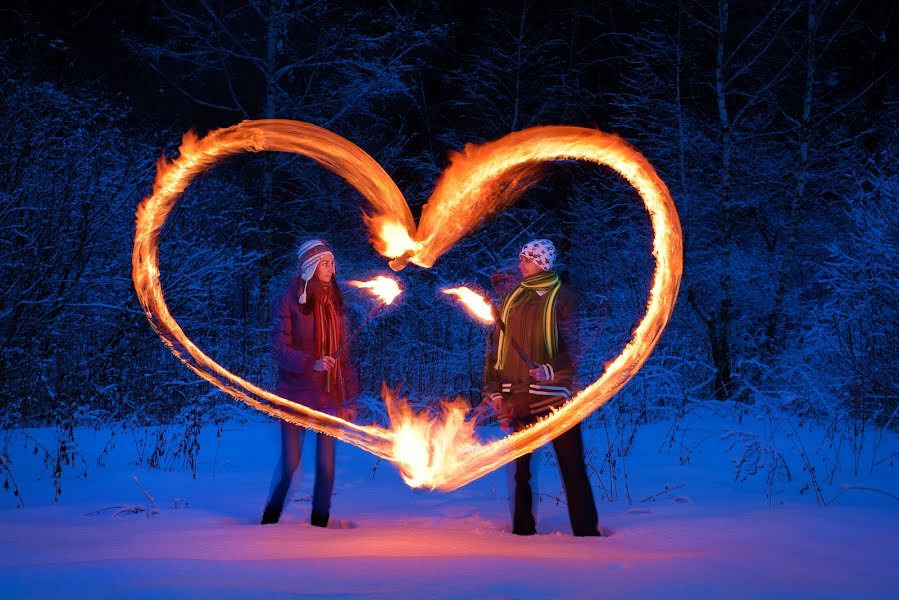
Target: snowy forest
{"points": [[774, 125]]}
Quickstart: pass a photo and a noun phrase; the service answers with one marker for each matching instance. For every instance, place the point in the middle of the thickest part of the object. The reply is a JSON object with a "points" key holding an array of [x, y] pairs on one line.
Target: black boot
{"points": [[319, 519], [588, 533], [271, 515]]}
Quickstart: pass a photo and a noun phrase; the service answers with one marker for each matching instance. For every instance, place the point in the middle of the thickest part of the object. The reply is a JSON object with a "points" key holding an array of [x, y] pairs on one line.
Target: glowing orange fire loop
{"points": [[481, 181]]}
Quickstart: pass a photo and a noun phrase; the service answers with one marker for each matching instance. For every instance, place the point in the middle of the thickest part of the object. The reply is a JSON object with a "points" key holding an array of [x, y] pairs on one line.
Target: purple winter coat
{"points": [[293, 347]]}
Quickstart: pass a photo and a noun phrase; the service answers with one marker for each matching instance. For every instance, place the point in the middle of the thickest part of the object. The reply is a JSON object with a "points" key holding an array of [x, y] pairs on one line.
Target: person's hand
{"points": [[492, 404], [541, 372], [325, 363], [347, 413]]}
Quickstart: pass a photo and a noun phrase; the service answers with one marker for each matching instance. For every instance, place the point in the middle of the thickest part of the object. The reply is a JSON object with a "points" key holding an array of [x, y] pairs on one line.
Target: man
{"points": [[529, 371]]}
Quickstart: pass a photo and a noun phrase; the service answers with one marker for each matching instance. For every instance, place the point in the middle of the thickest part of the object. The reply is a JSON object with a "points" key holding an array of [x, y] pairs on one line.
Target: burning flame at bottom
{"points": [[426, 449], [440, 453]]}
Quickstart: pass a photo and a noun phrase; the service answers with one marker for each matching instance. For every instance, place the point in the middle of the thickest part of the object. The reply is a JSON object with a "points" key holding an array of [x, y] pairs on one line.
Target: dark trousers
{"points": [[569, 448], [291, 448]]}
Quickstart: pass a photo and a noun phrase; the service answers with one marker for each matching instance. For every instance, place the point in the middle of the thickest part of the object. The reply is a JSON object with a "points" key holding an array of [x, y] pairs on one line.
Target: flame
{"points": [[427, 450], [383, 288], [441, 452], [476, 304], [390, 237]]}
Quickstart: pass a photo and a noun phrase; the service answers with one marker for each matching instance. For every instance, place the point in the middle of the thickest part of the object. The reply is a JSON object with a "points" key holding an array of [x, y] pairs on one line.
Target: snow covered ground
{"points": [[707, 536]]}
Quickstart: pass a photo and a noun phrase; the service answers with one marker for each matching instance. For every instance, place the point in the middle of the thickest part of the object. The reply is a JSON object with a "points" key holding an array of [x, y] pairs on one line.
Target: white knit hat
{"points": [[541, 252], [309, 255]]}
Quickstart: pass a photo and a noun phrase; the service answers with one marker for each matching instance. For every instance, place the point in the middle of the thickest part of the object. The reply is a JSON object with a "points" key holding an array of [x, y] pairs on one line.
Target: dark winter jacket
{"points": [[514, 381], [293, 347]]}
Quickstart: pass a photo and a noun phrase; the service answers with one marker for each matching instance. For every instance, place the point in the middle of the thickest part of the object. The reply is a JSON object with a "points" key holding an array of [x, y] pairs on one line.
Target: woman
{"points": [[308, 328]]}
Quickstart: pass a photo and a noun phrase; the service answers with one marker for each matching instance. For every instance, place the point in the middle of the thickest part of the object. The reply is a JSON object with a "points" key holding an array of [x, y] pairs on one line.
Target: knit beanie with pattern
{"points": [[541, 252], [309, 255]]}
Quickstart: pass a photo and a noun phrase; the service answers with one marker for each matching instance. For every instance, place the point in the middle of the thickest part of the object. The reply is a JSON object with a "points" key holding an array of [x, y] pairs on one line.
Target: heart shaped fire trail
{"points": [[442, 451]]}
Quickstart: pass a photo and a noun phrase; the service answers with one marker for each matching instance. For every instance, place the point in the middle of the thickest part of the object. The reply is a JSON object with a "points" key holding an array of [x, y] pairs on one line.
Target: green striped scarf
{"points": [[548, 281]]}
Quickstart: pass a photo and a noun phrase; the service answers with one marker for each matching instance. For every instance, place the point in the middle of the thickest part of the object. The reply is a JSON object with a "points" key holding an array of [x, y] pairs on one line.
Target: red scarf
{"points": [[328, 333]]}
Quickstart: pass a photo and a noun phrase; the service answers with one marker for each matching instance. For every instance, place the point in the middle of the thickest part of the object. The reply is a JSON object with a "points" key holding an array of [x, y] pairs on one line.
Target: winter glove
{"points": [[542, 372]]}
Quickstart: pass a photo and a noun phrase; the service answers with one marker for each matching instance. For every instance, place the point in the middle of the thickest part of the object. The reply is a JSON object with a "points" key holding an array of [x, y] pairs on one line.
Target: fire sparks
{"points": [[476, 304], [381, 287], [480, 182]]}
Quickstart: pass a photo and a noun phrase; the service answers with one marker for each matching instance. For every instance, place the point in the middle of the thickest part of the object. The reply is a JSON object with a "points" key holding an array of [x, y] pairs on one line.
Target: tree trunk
{"points": [[796, 203], [266, 226], [720, 334]]}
